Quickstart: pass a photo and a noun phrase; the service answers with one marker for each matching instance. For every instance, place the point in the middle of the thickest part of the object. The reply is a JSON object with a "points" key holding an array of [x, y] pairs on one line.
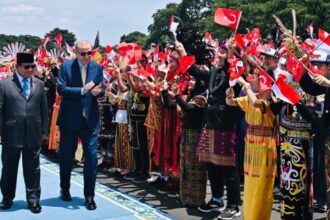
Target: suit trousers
{"points": [[67, 149], [31, 171]]}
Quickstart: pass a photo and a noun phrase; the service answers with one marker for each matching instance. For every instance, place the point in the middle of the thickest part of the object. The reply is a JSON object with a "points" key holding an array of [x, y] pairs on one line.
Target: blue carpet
{"points": [[111, 204]]}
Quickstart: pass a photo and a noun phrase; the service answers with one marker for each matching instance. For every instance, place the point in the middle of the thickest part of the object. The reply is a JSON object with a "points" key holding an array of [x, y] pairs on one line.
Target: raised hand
{"points": [[88, 87], [97, 90], [321, 80]]}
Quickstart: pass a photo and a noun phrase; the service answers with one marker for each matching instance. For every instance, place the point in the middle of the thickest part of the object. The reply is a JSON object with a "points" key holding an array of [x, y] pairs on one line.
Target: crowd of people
{"points": [[177, 119]]}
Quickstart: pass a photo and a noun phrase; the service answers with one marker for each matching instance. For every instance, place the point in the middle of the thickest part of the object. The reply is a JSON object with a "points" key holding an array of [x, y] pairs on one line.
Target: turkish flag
{"points": [[285, 92], [240, 41], [266, 82], [295, 67], [227, 17], [186, 62], [236, 70], [324, 36], [252, 36]]}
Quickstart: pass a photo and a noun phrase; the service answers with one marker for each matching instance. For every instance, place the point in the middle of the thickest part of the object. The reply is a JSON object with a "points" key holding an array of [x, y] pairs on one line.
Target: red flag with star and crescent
{"points": [[227, 17]]}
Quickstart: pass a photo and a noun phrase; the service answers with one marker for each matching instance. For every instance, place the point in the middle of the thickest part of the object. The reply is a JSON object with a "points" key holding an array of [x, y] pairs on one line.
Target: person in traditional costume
{"points": [[123, 154], [260, 150], [193, 174], [296, 145], [217, 143], [137, 110]]}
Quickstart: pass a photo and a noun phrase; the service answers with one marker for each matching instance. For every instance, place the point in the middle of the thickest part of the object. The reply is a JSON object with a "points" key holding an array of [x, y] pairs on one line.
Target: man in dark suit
{"points": [[24, 123], [80, 84]]}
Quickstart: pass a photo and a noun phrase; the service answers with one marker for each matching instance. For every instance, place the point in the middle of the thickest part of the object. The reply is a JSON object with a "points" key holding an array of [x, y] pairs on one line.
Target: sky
{"points": [[113, 18]]}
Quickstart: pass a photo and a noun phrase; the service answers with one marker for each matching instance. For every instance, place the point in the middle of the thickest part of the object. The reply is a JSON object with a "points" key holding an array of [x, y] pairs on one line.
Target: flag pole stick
{"points": [[305, 67], [319, 44]]}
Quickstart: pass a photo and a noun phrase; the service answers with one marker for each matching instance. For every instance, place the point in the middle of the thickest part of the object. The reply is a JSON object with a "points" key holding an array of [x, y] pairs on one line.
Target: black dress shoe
{"points": [[90, 204], [34, 207], [6, 204], [65, 195]]}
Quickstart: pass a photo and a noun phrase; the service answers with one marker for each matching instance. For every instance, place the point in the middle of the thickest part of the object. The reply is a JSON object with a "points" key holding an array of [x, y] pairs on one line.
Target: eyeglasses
{"points": [[29, 66], [86, 53]]}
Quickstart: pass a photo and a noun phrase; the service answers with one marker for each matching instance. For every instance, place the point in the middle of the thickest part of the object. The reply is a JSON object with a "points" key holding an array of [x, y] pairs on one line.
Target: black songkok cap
{"points": [[24, 58]]}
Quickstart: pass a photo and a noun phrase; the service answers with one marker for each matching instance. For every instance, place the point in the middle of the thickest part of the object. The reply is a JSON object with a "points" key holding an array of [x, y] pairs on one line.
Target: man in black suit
{"points": [[24, 123]]}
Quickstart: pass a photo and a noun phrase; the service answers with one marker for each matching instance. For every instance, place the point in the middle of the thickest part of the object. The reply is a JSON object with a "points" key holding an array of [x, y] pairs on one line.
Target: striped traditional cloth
{"points": [[192, 173]]}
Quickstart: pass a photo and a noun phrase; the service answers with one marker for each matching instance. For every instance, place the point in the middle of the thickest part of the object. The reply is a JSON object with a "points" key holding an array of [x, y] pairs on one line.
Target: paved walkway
{"points": [[110, 203]]}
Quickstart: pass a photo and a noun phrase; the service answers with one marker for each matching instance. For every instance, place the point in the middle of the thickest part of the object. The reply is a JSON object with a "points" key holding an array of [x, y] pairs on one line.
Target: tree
{"points": [[136, 37], [67, 36], [97, 41], [159, 29], [192, 11], [259, 13], [31, 42]]}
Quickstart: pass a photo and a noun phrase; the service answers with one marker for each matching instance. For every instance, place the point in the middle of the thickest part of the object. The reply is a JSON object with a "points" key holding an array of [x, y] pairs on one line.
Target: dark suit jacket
{"points": [[69, 86], [23, 121], [314, 89]]}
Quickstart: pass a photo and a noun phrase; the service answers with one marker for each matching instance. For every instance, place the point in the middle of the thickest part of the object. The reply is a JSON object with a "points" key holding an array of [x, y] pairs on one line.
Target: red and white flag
{"points": [[240, 41], [110, 52], [295, 67], [186, 62], [46, 40], [266, 82], [173, 26], [227, 17], [285, 92], [324, 36], [252, 36], [236, 69], [311, 29]]}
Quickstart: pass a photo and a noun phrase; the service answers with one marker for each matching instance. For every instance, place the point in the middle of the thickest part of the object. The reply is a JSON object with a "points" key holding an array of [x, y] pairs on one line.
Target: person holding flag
{"points": [[260, 149], [296, 141], [217, 143], [315, 86]]}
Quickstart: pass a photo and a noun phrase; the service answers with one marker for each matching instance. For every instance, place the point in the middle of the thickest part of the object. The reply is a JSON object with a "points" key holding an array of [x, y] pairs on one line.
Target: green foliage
{"points": [[159, 30], [31, 42], [136, 37], [256, 13], [67, 36], [259, 13]]}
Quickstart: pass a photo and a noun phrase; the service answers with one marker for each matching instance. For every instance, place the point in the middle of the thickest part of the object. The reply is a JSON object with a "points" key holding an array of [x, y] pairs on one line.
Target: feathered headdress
{"points": [[10, 51]]}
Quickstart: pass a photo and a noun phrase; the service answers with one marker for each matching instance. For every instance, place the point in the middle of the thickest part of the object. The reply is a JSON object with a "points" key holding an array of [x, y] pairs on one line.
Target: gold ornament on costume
{"points": [[291, 40]]}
